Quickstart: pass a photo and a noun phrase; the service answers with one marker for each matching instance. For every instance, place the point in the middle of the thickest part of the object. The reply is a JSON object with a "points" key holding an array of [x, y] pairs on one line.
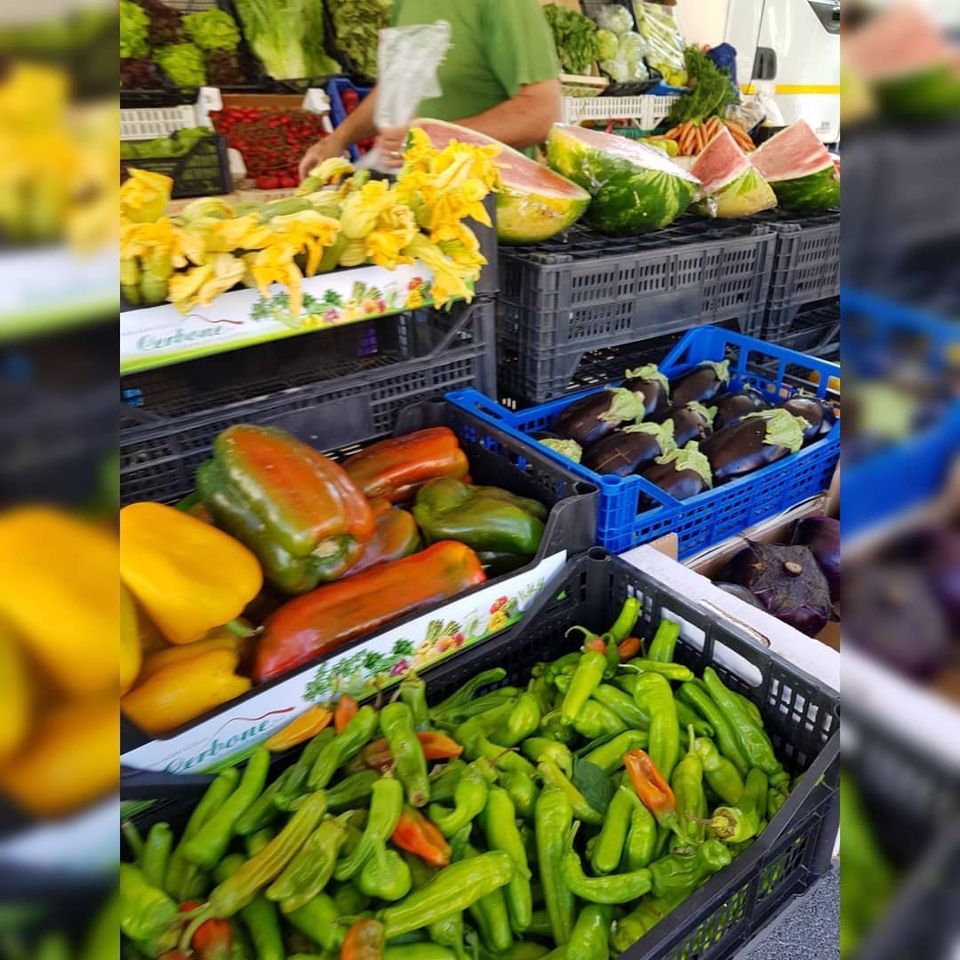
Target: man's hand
{"points": [[391, 143], [320, 151]]}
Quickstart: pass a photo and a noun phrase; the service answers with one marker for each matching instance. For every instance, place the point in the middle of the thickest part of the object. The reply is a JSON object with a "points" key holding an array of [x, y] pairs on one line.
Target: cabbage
{"points": [[615, 18], [617, 70], [608, 44], [632, 48]]}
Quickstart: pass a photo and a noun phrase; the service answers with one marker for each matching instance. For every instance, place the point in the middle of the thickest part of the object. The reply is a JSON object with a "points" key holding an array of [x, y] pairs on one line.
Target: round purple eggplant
{"points": [[701, 384], [652, 384], [593, 417], [787, 582], [820, 416], [740, 592], [681, 473], [731, 408], [630, 450], [822, 536], [693, 421], [758, 439]]}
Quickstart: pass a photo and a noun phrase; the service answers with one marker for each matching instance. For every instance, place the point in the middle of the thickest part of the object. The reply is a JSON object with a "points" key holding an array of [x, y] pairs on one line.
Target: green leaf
{"points": [[403, 648], [596, 787]]}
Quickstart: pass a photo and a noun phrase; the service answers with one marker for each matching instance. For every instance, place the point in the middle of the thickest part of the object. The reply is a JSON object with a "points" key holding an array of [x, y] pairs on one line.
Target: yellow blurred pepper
{"points": [[220, 638], [189, 576], [131, 654], [59, 596], [183, 690]]}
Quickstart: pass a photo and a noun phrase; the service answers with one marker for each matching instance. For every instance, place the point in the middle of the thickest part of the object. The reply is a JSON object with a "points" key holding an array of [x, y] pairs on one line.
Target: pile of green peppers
{"points": [[563, 819]]}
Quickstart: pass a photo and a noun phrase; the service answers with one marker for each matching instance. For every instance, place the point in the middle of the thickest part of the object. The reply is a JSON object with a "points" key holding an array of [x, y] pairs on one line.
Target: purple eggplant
{"points": [[758, 439], [693, 421], [740, 592], [652, 384], [566, 448], [630, 450], [820, 416], [593, 417], [787, 582], [822, 536], [681, 473], [731, 408], [701, 384], [937, 552]]}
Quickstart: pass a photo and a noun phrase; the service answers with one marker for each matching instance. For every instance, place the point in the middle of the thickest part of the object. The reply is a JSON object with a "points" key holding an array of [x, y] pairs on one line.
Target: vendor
{"points": [[500, 78]]}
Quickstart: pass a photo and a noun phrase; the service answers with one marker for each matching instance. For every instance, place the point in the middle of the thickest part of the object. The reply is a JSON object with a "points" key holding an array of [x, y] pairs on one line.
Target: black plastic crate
{"points": [[583, 292], [812, 328], [800, 712], [202, 171], [806, 267], [354, 382]]}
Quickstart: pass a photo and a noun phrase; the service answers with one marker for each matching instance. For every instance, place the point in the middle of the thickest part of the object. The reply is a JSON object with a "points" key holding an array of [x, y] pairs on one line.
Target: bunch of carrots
{"points": [[693, 135]]}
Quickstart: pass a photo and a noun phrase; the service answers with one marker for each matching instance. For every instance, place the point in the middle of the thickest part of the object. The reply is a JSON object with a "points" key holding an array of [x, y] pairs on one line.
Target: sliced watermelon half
{"points": [[800, 169], [534, 202], [730, 185]]}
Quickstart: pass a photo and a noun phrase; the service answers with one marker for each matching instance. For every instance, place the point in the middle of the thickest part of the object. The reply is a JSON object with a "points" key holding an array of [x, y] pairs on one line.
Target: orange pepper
{"points": [[649, 785], [307, 725], [364, 941], [346, 710], [183, 690], [436, 746], [629, 648], [416, 834]]}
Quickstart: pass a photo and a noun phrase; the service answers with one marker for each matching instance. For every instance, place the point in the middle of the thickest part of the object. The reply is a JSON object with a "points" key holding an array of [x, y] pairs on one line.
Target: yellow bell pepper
{"points": [[183, 690], [219, 638], [189, 576], [131, 655], [59, 596], [16, 696]]}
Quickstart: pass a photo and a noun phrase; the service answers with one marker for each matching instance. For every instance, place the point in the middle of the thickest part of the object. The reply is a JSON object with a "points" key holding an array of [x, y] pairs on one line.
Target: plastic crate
{"points": [[800, 712], [806, 267], [624, 519], [647, 110], [812, 328], [202, 171], [338, 112], [585, 291]]}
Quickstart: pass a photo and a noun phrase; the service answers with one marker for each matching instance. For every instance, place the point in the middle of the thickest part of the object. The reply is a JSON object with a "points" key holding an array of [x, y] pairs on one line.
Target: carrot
{"points": [[688, 140], [700, 144], [673, 134], [346, 710]]}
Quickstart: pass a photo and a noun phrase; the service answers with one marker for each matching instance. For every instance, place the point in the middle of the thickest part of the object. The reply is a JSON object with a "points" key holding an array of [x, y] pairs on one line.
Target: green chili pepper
{"points": [[317, 920], [346, 745], [595, 721], [590, 934], [687, 785], [542, 748], [259, 916], [490, 914], [448, 930], [522, 790], [623, 705], [133, 837], [609, 755], [145, 911], [386, 805], [753, 711], [182, 876], [352, 791], [413, 692], [671, 671], [688, 717], [753, 740], [626, 620], [349, 900], [209, 844], [553, 821], [396, 723], [553, 777], [469, 797], [720, 773], [264, 810], [500, 828], [742, 822], [310, 870], [295, 783], [608, 849], [776, 798], [419, 951], [641, 920], [257, 841], [101, 941], [616, 888], [680, 873], [586, 679], [385, 875], [444, 785], [553, 728], [566, 664], [156, 854], [521, 950], [540, 925], [727, 743], [641, 846], [522, 722], [467, 694], [664, 642], [653, 694], [541, 689], [452, 889]]}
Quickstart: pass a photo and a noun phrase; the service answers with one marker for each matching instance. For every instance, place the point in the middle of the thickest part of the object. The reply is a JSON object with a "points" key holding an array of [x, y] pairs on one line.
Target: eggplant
{"points": [[566, 448], [702, 383], [822, 536], [681, 473], [819, 414], [938, 553], [593, 417], [693, 421], [652, 384], [740, 592], [731, 408], [758, 439], [787, 582], [630, 450]]}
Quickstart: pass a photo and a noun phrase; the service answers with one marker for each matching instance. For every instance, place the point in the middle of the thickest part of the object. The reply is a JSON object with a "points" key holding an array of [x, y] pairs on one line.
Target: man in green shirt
{"points": [[500, 78]]}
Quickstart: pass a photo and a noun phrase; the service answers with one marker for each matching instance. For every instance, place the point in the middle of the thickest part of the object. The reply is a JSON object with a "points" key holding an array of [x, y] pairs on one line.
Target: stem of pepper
{"points": [[242, 631]]}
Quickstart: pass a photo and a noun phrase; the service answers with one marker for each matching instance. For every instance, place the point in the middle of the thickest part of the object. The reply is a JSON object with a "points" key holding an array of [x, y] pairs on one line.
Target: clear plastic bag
{"points": [[665, 43], [615, 18], [608, 44]]}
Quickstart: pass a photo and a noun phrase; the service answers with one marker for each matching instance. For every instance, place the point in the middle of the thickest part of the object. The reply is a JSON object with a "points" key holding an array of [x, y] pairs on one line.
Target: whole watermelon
{"points": [[635, 188]]}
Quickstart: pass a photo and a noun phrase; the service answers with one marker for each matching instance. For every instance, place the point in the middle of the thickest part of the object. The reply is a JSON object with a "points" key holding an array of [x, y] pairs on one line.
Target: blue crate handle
{"points": [[338, 113]]}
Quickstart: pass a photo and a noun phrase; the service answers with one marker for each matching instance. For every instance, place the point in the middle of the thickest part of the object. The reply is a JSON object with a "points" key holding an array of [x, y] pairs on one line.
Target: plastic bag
{"points": [[666, 44], [407, 62], [617, 70], [615, 18], [608, 44]]}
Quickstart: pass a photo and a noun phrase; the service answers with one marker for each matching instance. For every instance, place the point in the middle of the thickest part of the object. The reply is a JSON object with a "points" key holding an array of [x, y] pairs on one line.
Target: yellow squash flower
{"points": [[199, 285], [144, 195], [362, 209], [274, 264], [332, 170], [448, 277], [395, 229]]}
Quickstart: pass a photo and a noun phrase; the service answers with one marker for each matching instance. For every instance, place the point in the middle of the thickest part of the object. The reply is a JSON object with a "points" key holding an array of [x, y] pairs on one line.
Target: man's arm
{"points": [[524, 120], [355, 128]]}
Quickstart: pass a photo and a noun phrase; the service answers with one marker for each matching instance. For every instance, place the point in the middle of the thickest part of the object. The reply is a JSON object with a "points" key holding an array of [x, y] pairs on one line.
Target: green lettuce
{"points": [[212, 30], [134, 27], [286, 35], [182, 63]]}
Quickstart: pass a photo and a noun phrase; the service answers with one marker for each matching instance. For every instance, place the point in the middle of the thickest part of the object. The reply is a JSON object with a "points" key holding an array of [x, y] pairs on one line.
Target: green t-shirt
{"points": [[497, 46]]}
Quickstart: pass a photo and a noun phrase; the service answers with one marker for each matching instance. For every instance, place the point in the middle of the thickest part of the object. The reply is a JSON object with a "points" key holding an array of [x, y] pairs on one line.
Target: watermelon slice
{"points": [[800, 170], [635, 188], [534, 203], [731, 186]]}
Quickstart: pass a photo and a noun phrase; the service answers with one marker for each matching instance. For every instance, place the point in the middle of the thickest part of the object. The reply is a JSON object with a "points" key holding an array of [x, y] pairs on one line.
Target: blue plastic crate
{"points": [[623, 521], [904, 475], [338, 113]]}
